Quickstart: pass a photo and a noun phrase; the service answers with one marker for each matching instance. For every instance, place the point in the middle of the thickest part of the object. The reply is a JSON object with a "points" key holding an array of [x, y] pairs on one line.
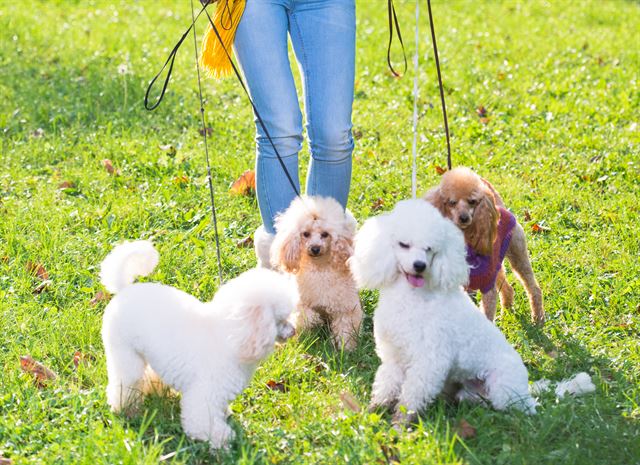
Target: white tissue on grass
{"points": [[578, 385]]}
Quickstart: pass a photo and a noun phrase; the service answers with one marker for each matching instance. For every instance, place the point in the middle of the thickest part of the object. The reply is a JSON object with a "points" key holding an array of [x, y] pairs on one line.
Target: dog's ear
{"points": [[373, 263], [481, 234], [342, 247], [286, 250], [256, 333], [435, 198], [449, 268], [341, 250]]}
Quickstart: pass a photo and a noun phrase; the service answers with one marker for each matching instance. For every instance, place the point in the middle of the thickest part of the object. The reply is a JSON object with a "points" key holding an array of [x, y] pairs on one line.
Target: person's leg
{"points": [[261, 49], [323, 37]]}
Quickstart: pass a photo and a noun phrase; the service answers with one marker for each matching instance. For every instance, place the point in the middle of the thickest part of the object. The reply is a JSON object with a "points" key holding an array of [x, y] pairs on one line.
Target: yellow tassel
{"points": [[213, 58]]}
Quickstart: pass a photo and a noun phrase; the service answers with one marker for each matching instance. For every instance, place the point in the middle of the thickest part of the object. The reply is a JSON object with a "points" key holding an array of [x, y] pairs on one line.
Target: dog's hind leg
{"points": [[519, 258], [125, 369], [505, 289]]}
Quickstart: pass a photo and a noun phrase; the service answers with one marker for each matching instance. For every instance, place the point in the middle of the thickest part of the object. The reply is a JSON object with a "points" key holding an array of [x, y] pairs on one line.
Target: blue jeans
{"points": [[323, 36]]}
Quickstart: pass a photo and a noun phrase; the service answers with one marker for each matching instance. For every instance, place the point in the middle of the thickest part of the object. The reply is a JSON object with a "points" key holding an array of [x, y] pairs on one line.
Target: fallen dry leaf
{"points": [[481, 111], [538, 228], [350, 402], [245, 243], [390, 453], [439, 169], [109, 167], [170, 149], [276, 386], [5, 259], [377, 204], [42, 373], [5, 461], [79, 357], [484, 121], [181, 181], [100, 296], [527, 216], [245, 184], [37, 269], [41, 287], [357, 134], [464, 430], [66, 185]]}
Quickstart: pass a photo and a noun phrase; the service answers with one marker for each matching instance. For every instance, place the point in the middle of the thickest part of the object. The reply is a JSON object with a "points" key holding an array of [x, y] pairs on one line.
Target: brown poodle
{"points": [[313, 241], [491, 233]]}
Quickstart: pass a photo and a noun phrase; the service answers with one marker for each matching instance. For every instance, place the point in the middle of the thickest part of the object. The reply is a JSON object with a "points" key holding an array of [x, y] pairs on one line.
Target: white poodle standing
{"points": [[429, 335], [156, 334]]}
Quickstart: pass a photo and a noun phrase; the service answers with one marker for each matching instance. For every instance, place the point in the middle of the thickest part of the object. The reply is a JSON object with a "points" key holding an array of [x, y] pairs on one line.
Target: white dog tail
{"points": [[126, 262], [578, 385]]}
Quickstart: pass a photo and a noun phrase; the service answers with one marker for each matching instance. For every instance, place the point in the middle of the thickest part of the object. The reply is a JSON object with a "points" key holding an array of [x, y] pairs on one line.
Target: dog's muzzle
{"points": [[285, 331], [314, 251]]}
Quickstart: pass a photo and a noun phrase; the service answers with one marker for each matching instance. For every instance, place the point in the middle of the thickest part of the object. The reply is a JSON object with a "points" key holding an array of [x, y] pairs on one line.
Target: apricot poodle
{"points": [[314, 239], [491, 232]]}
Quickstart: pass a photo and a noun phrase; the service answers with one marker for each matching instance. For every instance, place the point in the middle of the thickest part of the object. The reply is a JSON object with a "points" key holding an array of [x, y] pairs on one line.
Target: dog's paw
{"points": [[403, 418]]}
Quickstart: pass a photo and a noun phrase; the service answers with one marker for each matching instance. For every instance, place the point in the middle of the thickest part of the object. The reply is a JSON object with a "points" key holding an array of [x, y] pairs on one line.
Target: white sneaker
{"points": [[262, 241]]}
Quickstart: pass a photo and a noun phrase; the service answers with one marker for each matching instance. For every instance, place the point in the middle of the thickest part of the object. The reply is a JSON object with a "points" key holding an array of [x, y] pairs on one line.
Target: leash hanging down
{"points": [[444, 105], [170, 63]]}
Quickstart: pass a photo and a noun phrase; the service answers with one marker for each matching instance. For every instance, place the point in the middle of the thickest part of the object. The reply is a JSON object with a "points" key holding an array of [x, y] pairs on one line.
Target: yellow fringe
{"points": [[213, 59]]}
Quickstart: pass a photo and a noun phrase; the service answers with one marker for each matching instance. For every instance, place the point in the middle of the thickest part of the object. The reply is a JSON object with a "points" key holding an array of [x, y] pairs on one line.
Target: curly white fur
{"points": [[314, 239], [429, 335], [207, 351]]}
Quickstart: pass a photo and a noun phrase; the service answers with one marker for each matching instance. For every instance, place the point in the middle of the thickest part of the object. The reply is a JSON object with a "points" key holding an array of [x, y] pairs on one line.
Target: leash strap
{"points": [[444, 106], [393, 20], [253, 105], [206, 148], [170, 62], [414, 169]]}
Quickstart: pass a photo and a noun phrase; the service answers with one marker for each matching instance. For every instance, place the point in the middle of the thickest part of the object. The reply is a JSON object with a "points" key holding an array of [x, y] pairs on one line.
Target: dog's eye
{"points": [[324, 234], [452, 203], [427, 249], [306, 234], [473, 202], [404, 245]]}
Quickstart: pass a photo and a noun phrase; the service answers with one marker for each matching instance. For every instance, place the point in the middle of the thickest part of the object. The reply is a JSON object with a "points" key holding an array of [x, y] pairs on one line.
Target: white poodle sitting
{"points": [[156, 334], [429, 335]]}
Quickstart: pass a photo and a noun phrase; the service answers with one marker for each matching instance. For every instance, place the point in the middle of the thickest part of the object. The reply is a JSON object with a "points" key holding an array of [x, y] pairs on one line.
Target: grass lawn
{"points": [[560, 140]]}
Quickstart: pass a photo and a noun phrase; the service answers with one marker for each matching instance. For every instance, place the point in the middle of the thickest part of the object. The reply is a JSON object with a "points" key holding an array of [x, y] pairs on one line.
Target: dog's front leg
{"points": [[386, 387], [489, 303], [204, 417], [345, 328], [421, 386]]}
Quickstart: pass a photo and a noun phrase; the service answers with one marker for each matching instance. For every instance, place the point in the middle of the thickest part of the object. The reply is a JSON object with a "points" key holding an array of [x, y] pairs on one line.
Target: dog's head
{"points": [[467, 200], [257, 304], [413, 243], [312, 230]]}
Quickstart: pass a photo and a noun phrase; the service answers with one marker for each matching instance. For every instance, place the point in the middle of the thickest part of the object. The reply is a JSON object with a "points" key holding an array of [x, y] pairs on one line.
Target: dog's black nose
{"points": [[315, 250], [464, 218], [419, 266]]}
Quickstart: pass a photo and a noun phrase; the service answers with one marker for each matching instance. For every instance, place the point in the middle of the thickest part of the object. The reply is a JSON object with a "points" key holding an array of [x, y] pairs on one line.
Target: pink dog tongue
{"points": [[415, 281]]}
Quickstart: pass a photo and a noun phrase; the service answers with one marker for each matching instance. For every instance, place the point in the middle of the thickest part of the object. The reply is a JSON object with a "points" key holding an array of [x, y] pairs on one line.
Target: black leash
{"points": [[206, 148], [444, 106], [170, 61], [393, 20], [255, 110]]}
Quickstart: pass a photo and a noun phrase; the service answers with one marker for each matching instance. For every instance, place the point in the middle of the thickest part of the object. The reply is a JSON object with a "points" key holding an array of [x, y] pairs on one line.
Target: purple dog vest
{"points": [[484, 268]]}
